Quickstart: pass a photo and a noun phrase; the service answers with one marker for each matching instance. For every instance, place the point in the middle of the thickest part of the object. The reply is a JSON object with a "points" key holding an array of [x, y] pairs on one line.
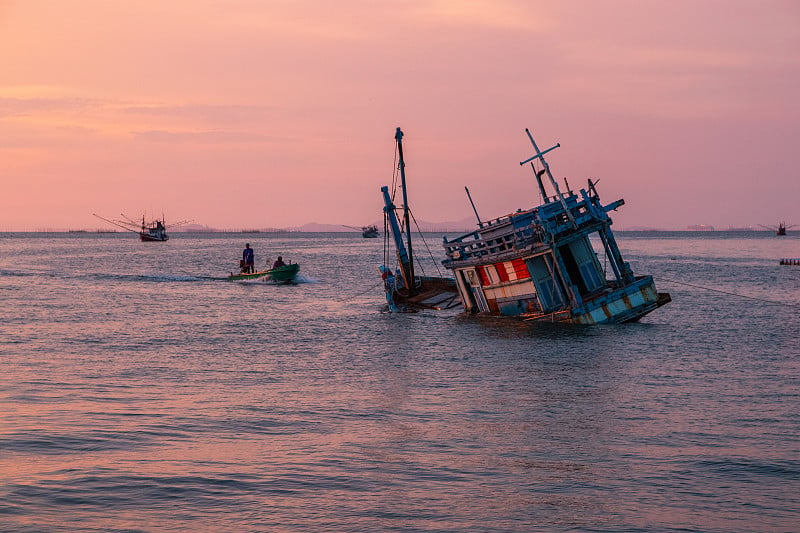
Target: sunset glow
{"points": [[275, 114]]}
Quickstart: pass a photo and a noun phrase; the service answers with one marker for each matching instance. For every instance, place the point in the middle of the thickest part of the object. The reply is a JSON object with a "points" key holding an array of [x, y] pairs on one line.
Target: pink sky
{"points": [[251, 113]]}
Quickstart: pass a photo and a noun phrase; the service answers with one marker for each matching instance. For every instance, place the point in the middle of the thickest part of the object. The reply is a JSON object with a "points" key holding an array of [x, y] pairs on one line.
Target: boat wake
{"points": [[110, 277], [11, 273], [298, 280], [154, 278]]}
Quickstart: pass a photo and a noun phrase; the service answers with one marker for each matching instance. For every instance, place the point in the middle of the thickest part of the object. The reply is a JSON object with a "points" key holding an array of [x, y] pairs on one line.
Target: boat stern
{"points": [[624, 304]]}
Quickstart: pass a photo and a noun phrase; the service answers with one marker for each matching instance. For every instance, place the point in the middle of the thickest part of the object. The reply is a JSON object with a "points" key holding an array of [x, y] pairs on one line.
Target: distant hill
{"points": [[457, 226], [323, 228], [194, 228]]}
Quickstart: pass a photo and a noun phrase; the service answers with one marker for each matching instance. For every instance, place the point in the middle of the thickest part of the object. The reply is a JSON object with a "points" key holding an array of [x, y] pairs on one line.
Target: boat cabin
{"points": [[541, 264]]}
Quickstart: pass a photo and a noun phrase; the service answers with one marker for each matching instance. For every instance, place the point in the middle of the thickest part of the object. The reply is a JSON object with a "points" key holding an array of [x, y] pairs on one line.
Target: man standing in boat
{"points": [[248, 260]]}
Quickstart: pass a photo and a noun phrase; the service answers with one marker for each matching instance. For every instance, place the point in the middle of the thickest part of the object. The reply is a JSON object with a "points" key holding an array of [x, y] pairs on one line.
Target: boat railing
{"points": [[510, 242], [550, 223]]}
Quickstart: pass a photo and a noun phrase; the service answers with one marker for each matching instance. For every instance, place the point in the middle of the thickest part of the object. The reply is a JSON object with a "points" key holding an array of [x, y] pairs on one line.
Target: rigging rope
{"points": [[353, 296], [385, 239], [426, 245], [395, 172], [789, 304]]}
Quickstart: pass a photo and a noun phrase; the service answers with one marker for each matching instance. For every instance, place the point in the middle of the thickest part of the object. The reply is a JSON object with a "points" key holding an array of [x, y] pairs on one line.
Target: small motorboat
{"points": [[281, 274]]}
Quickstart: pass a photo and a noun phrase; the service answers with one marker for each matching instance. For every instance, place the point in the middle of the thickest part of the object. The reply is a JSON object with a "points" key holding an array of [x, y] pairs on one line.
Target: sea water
{"points": [[142, 391]]}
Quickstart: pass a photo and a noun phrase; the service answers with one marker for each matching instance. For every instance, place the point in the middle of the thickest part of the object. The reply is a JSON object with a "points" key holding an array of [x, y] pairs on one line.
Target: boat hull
{"points": [[612, 303], [284, 274], [626, 304], [146, 237], [432, 293]]}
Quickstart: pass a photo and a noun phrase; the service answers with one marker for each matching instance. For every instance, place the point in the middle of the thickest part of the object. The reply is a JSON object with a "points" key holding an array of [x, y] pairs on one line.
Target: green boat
{"points": [[282, 274]]}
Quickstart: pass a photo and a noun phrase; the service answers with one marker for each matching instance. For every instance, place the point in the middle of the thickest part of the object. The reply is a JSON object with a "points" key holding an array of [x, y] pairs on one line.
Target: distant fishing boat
{"points": [[539, 263], [405, 290], [369, 232], [780, 229], [154, 231], [282, 274], [700, 227]]}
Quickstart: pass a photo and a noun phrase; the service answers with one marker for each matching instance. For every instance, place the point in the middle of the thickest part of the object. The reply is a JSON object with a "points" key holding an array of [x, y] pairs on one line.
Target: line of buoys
{"points": [[795, 262]]}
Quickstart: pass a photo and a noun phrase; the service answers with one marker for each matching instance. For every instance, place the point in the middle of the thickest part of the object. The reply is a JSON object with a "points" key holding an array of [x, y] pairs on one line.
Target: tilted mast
{"points": [[408, 269], [390, 211]]}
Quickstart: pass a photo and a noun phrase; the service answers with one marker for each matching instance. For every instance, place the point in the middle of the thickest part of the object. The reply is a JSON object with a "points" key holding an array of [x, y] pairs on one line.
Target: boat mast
{"points": [[540, 155], [542, 192], [390, 211], [409, 275]]}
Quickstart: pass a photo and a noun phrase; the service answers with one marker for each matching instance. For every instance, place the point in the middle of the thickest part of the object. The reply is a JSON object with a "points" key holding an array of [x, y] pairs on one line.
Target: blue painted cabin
{"points": [[540, 264]]}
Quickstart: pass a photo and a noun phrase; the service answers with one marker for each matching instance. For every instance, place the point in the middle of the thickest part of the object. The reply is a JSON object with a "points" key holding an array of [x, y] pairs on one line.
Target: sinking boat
{"points": [[406, 291], [540, 263], [154, 231], [282, 274]]}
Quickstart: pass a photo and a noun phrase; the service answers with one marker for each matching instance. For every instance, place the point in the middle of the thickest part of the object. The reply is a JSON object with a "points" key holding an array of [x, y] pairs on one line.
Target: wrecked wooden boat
{"points": [[540, 263], [406, 290]]}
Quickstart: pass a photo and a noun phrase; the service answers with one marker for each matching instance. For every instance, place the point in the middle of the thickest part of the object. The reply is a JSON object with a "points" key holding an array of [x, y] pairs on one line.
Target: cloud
{"points": [[484, 14], [205, 137], [203, 112], [17, 107]]}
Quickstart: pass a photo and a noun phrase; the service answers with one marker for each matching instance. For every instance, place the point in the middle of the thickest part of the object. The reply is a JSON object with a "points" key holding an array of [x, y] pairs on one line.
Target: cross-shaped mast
{"points": [[540, 155]]}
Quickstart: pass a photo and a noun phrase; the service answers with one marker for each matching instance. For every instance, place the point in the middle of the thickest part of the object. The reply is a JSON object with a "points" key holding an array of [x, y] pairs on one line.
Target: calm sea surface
{"points": [[140, 391]]}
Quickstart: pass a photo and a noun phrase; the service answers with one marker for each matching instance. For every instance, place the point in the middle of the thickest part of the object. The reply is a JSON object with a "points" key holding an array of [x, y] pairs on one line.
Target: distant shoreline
{"points": [[354, 233]]}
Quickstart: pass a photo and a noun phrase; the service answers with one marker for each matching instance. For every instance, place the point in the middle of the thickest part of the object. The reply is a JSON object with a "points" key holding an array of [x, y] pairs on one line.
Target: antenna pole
{"points": [[480, 224], [539, 183]]}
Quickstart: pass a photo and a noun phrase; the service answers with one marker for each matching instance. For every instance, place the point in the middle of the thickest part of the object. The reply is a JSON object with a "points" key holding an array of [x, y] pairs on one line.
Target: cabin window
{"points": [[491, 273], [588, 263], [464, 280], [590, 276], [484, 276], [475, 289], [573, 271], [548, 289], [582, 265], [520, 269], [488, 275], [502, 272]]}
